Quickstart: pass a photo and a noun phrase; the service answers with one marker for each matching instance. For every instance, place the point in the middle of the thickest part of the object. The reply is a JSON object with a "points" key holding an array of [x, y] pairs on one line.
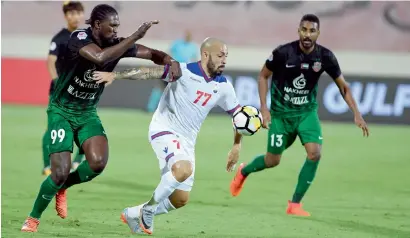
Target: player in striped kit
{"points": [[183, 108]]}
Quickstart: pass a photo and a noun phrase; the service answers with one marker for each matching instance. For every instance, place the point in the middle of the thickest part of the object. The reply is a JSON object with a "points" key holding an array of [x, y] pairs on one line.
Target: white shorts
{"points": [[167, 145]]}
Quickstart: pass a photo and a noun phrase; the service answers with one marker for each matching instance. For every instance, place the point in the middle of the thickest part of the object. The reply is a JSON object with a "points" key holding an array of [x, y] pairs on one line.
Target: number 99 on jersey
{"points": [[247, 120]]}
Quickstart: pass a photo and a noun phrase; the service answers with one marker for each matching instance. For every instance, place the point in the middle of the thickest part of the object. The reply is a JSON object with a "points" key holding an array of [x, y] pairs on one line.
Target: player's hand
{"points": [[175, 70], [144, 27], [233, 157], [104, 77], [266, 117], [359, 121]]}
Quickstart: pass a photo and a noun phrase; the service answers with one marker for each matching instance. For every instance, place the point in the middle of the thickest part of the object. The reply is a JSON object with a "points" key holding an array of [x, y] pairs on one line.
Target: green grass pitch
{"points": [[362, 188]]}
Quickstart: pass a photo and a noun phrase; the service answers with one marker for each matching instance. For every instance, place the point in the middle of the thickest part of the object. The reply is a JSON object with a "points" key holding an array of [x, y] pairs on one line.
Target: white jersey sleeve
{"points": [[229, 101]]}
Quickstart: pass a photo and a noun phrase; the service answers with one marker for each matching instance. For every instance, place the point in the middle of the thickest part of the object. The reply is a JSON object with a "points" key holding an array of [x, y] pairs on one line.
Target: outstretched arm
{"points": [[141, 73], [156, 56], [100, 56]]}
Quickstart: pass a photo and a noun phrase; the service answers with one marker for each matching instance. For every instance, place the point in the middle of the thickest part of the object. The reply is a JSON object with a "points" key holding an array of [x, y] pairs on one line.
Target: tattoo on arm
{"points": [[143, 73]]}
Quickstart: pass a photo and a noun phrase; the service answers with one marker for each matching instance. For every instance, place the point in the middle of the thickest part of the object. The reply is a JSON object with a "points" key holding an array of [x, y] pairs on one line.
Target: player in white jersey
{"points": [[175, 124]]}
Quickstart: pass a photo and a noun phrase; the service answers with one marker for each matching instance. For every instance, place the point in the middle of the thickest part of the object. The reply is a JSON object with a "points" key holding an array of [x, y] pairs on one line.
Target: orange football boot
{"points": [[61, 203], [238, 181], [30, 225], [296, 209]]}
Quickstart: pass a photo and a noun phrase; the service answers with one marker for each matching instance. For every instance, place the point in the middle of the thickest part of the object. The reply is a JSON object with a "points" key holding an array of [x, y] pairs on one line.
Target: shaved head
{"points": [[212, 44], [214, 53]]}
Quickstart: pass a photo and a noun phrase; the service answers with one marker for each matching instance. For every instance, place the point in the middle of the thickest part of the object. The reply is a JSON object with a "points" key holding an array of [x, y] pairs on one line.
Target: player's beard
{"points": [[211, 67], [106, 41], [307, 46]]}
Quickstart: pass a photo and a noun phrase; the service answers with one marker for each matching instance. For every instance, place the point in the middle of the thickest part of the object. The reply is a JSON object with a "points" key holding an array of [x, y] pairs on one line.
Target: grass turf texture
{"points": [[361, 188]]}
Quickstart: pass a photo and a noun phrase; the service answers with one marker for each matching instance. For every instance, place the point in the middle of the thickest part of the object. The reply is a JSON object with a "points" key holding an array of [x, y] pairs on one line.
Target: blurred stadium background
{"points": [[362, 188]]}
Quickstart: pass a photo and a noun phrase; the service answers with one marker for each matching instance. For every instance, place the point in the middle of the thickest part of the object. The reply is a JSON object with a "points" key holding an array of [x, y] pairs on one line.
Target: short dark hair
{"points": [[100, 12], [72, 6], [311, 18]]}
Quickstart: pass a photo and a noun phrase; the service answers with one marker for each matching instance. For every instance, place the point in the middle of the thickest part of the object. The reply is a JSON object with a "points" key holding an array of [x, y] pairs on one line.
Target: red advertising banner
{"points": [[24, 81]]}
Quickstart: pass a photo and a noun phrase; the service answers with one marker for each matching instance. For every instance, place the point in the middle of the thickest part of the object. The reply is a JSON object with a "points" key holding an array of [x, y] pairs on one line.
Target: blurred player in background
{"points": [[72, 111], [295, 69], [182, 50], [174, 127], [74, 16]]}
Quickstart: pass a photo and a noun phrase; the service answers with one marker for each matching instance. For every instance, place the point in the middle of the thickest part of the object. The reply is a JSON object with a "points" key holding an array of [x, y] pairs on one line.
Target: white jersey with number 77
{"points": [[187, 101]]}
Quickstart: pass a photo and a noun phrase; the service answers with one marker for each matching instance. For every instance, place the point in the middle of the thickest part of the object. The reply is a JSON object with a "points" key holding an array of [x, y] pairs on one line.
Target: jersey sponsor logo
{"points": [[290, 66], [372, 99], [53, 46], [87, 82], [82, 35], [299, 82], [317, 66], [88, 75], [296, 100], [295, 91], [299, 100], [82, 95], [86, 85]]}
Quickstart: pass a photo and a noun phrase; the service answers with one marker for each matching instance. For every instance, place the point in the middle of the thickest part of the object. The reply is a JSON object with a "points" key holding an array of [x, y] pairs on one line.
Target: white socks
{"points": [[165, 188], [160, 203], [164, 207]]}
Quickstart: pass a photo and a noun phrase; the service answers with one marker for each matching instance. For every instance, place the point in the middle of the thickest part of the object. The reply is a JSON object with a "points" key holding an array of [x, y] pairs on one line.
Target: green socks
{"points": [[46, 158], [306, 176], [48, 190], [81, 175], [78, 157], [256, 165]]}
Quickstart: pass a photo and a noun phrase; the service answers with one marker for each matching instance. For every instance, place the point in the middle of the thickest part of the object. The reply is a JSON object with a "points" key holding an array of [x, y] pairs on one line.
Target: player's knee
{"points": [[181, 170], [59, 176], [314, 156], [60, 167], [272, 160], [98, 163]]}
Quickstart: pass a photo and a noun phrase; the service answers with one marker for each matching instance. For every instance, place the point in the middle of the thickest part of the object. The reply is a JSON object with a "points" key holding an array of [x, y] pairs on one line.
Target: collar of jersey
{"points": [[196, 68]]}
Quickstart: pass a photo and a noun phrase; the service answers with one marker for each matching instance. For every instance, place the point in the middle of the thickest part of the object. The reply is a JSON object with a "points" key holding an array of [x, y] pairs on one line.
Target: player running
{"points": [[175, 124], [74, 14], [295, 69], [72, 114]]}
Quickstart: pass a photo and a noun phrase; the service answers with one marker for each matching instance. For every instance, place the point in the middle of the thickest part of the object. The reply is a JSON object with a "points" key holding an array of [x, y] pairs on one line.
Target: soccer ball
{"points": [[247, 120]]}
